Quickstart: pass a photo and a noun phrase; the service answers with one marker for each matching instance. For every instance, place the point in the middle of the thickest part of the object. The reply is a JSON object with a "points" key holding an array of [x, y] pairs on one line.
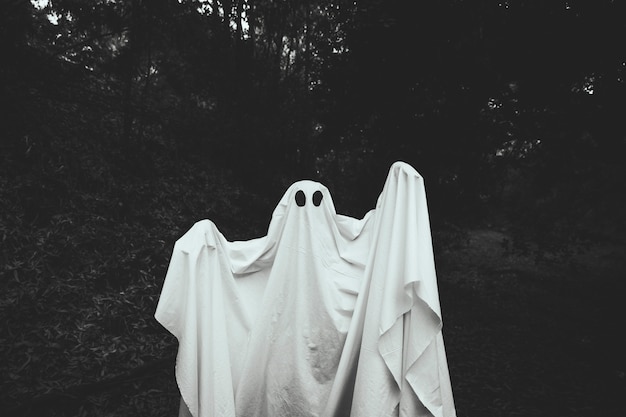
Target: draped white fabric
{"points": [[326, 315]]}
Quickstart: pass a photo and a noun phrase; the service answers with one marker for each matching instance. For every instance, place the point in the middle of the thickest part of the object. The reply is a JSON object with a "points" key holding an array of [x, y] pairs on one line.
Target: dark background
{"points": [[124, 122]]}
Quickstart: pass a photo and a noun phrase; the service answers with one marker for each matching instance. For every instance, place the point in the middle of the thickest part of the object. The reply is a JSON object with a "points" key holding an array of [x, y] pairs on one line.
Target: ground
{"points": [[532, 335]]}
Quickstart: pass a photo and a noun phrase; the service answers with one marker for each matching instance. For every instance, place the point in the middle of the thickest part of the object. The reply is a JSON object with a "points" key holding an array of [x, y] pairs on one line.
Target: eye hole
{"points": [[317, 198], [300, 198]]}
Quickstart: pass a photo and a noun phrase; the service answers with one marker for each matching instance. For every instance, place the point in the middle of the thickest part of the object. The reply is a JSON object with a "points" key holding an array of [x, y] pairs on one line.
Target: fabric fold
{"points": [[403, 319], [326, 315]]}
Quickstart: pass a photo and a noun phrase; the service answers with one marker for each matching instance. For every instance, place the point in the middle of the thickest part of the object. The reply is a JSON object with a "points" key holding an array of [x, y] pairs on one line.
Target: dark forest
{"points": [[126, 121]]}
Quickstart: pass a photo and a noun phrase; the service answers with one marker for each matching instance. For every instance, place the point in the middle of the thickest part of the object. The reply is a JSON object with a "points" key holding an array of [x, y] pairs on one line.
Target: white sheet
{"points": [[326, 315]]}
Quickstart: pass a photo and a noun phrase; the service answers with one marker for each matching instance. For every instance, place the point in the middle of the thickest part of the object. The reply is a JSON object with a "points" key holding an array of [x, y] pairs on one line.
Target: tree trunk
{"points": [[129, 72], [239, 22], [228, 8]]}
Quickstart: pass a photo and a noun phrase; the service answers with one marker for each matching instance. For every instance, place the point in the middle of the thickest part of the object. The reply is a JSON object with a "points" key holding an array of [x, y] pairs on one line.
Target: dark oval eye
{"points": [[300, 198], [317, 198]]}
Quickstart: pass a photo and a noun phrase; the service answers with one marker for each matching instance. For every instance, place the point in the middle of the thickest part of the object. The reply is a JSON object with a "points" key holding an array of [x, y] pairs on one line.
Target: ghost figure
{"points": [[326, 315]]}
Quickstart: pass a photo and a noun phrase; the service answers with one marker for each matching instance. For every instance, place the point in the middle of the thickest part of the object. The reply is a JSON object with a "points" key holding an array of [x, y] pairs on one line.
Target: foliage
{"points": [[274, 91], [82, 272]]}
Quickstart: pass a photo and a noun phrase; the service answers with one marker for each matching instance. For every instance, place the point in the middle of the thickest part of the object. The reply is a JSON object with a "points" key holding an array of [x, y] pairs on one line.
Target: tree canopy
{"points": [[514, 105]]}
